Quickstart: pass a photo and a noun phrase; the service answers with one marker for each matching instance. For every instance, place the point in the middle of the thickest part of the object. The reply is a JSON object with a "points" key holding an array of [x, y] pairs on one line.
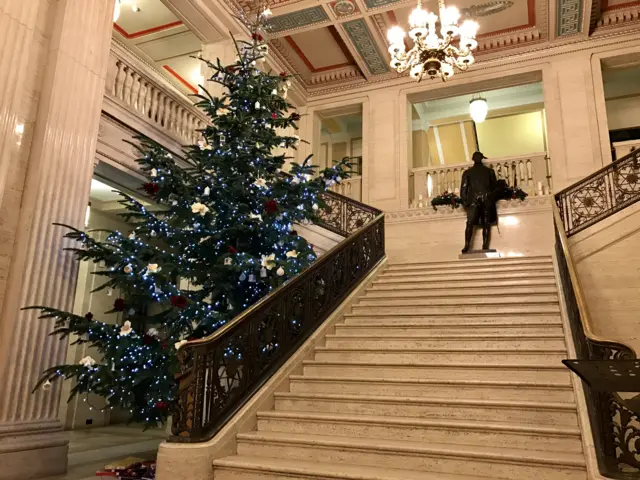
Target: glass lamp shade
{"points": [[395, 35], [478, 109], [116, 11], [449, 16], [418, 18], [468, 29]]}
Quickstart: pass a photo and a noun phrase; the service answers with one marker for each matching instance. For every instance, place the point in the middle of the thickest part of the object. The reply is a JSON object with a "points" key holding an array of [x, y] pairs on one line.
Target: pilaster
{"points": [[54, 58]]}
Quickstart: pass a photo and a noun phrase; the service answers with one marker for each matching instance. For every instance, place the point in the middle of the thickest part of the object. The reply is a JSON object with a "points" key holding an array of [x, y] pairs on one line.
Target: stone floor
{"points": [[90, 449]]}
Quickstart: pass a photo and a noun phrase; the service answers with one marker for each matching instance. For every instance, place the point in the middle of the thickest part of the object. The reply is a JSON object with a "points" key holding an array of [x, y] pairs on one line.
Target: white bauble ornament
{"points": [[257, 105], [128, 269], [243, 277], [280, 271], [132, 311]]}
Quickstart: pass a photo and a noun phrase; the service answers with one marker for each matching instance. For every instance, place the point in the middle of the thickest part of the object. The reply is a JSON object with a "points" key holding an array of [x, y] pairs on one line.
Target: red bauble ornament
{"points": [[274, 116], [151, 188], [163, 345], [148, 339], [161, 405], [232, 250], [257, 36], [178, 301], [513, 196], [88, 316], [283, 74], [118, 305], [271, 206]]}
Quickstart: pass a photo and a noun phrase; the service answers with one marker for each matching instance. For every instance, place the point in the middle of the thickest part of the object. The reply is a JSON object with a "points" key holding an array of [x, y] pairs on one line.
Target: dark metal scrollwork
{"points": [[220, 373], [601, 194]]}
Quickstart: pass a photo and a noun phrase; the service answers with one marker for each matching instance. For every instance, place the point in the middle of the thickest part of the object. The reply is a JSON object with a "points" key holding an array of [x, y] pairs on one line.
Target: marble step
{"points": [[404, 277], [512, 390], [440, 355], [430, 458], [437, 292], [495, 272], [489, 262], [474, 341], [459, 432], [441, 328], [435, 307], [439, 371], [381, 284], [374, 317], [520, 413], [238, 467], [459, 299]]}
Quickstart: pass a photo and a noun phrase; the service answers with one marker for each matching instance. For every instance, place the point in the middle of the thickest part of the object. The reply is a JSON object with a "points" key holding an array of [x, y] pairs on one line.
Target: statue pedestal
{"points": [[472, 254]]}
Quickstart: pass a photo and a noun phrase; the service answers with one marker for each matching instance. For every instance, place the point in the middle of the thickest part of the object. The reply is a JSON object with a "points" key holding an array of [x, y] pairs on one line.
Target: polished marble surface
{"points": [[90, 449]]}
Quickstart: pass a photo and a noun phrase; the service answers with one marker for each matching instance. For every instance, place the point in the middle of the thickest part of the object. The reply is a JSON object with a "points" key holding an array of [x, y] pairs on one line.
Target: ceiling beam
{"points": [[208, 20]]}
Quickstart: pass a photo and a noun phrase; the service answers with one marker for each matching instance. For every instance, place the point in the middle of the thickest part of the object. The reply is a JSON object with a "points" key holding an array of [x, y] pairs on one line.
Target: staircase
{"points": [[441, 371]]}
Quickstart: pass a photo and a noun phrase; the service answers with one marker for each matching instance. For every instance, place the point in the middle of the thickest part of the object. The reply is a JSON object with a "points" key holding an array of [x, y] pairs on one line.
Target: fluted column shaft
{"points": [[53, 62]]}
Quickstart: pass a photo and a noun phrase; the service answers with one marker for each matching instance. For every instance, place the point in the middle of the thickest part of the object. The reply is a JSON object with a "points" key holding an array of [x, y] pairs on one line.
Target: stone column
{"points": [[53, 61], [572, 121]]}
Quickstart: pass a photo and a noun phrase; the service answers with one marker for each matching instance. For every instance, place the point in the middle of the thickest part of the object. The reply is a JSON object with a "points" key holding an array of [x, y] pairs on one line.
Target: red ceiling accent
{"points": [[606, 8], [148, 31], [307, 62], [180, 79]]}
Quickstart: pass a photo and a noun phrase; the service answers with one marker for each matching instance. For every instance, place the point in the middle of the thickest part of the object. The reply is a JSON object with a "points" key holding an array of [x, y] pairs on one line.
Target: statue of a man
{"points": [[477, 195]]}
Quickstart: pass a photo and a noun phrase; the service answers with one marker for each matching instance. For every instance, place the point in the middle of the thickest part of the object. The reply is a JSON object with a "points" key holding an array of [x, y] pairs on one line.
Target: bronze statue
{"points": [[477, 194]]}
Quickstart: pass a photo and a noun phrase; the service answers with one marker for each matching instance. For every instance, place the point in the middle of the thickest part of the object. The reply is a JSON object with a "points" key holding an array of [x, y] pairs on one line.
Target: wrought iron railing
{"points": [[220, 373], [614, 425], [601, 194]]}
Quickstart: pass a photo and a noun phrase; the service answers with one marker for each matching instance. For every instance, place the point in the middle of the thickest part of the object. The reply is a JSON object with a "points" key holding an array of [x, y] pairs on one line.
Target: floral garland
{"points": [[454, 201], [446, 198]]}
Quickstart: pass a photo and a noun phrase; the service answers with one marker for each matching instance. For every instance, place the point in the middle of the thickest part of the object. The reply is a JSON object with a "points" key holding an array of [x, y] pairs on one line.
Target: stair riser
{"points": [[498, 300], [469, 291], [494, 343], [497, 271], [408, 277], [456, 308], [520, 416], [559, 375], [462, 284], [355, 330], [470, 392], [425, 434], [461, 465], [453, 319], [512, 358], [228, 473], [502, 262]]}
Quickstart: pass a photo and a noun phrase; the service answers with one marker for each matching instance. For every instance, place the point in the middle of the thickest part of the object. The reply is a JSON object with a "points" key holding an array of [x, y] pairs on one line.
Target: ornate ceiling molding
{"points": [[569, 18], [362, 39], [625, 17], [297, 20]]}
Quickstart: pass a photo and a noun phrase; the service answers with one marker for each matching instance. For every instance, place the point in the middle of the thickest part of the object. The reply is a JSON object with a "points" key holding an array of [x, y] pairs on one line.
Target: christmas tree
{"points": [[221, 238]]}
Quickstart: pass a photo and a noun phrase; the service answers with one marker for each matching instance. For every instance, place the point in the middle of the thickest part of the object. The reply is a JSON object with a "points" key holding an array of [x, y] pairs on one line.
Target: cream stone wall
{"points": [[424, 235], [608, 262]]}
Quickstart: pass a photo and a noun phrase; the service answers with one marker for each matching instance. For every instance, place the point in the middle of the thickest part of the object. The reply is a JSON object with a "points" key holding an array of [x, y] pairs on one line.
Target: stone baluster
{"points": [[135, 88], [121, 77], [142, 97], [529, 169], [128, 83], [148, 98]]}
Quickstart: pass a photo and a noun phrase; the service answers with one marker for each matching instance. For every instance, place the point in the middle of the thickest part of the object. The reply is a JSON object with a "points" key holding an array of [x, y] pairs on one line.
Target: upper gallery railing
{"points": [[143, 91], [350, 187], [532, 173], [601, 194], [220, 373], [613, 424]]}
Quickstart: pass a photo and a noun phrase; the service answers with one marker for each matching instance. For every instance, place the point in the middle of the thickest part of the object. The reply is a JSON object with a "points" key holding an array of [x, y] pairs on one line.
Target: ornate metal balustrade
{"points": [[606, 368], [220, 373], [601, 194]]}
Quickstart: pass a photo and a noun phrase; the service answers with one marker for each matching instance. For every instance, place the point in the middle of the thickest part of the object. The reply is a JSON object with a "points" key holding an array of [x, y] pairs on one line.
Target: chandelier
{"points": [[433, 55]]}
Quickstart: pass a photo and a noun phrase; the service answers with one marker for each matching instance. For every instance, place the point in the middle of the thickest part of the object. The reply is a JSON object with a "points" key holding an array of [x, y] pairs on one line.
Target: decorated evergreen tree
{"points": [[222, 237]]}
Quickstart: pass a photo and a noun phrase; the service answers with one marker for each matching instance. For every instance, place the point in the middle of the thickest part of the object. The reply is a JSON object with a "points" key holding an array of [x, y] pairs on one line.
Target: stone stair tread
{"points": [[446, 315], [441, 449], [485, 383], [427, 326], [324, 470], [442, 350], [472, 336], [423, 422], [498, 262], [470, 271], [494, 366], [425, 400], [515, 300]]}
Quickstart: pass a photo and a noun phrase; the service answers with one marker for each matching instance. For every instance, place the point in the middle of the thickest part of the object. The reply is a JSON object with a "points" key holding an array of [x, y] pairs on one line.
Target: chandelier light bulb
{"points": [[395, 35], [469, 29], [418, 18], [478, 109], [116, 11]]}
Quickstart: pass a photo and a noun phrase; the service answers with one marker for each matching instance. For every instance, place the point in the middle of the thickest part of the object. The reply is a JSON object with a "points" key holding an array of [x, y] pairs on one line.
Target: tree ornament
{"points": [[118, 305], [126, 329], [178, 301], [132, 311], [253, 216], [263, 272], [222, 111], [252, 278], [87, 362], [132, 236], [153, 268], [207, 192], [228, 261], [315, 207], [257, 105], [88, 316], [231, 249], [153, 233], [292, 254], [260, 182], [151, 188], [270, 206], [268, 261], [153, 332], [127, 269], [274, 92], [46, 385], [280, 271], [154, 173], [221, 140], [274, 116], [295, 180], [109, 292], [199, 208], [242, 277]]}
